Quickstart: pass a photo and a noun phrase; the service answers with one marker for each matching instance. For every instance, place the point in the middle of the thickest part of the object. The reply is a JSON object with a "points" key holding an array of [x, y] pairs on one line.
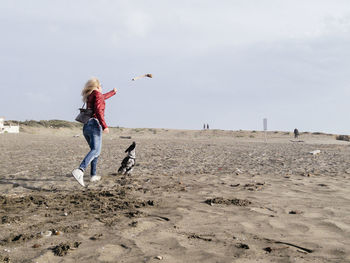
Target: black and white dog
{"points": [[128, 162]]}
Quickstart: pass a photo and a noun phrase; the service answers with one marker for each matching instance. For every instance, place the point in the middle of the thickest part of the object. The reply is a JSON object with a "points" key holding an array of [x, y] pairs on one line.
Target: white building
{"points": [[8, 128]]}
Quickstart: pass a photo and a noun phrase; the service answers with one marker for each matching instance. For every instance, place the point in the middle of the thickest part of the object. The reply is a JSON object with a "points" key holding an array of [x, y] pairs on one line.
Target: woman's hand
{"points": [[115, 89], [106, 130]]}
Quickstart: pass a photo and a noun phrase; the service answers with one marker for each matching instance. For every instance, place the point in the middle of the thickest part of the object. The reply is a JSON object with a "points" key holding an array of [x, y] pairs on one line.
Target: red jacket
{"points": [[96, 101]]}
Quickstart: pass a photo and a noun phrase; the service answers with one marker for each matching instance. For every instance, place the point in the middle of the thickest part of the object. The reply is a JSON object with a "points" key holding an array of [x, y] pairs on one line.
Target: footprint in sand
{"points": [[109, 253]]}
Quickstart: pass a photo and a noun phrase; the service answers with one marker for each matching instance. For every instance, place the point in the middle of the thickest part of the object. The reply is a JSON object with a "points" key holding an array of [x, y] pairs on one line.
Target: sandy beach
{"points": [[194, 196]]}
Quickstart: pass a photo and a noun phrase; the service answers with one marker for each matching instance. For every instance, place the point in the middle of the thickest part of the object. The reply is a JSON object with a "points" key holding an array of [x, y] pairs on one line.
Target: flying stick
{"points": [[142, 76]]}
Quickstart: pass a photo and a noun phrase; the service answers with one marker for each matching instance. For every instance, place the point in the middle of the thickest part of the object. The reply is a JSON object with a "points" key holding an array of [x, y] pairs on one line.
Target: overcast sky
{"points": [[227, 63]]}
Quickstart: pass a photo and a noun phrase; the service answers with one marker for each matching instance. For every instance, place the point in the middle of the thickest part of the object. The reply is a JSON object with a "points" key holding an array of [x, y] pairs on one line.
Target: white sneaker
{"points": [[79, 176], [95, 178]]}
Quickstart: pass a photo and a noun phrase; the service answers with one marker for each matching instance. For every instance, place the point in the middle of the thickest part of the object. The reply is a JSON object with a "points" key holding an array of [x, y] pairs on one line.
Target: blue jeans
{"points": [[92, 131]]}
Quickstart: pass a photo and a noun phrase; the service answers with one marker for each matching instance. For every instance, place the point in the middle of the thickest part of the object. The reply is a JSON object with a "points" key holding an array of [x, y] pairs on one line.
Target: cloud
{"points": [[37, 98], [227, 59]]}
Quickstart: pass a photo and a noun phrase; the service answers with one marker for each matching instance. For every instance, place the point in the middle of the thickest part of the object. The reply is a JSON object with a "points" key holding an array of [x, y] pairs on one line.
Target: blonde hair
{"points": [[91, 85]]}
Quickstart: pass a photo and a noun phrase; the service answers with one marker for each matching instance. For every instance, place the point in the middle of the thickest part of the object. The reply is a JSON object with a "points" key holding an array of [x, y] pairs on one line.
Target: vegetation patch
{"points": [[222, 201], [63, 248], [47, 124]]}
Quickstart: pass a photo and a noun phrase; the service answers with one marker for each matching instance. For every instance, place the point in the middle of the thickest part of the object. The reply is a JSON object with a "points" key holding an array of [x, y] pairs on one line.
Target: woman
{"points": [[92, 130]]}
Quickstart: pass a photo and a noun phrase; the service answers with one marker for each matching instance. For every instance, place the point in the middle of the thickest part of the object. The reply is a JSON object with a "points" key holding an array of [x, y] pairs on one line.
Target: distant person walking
{"points": [[207, 126], [296, 133], [92, 130]]}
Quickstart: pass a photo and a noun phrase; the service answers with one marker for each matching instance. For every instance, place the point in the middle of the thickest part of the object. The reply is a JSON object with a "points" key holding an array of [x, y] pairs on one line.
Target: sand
{"points": [[194, 196]]}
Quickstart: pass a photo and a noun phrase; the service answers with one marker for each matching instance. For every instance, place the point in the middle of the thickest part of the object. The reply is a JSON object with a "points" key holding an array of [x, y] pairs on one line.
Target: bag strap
{"points": [[82, 107]]}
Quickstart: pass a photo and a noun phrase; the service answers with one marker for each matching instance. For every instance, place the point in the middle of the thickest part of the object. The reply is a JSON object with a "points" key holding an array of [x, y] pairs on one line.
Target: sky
{"points": [[228, 63]]}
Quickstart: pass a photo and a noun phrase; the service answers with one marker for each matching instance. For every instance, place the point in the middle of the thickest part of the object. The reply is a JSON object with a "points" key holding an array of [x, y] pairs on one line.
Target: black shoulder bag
{"points": [[84, 115]]}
